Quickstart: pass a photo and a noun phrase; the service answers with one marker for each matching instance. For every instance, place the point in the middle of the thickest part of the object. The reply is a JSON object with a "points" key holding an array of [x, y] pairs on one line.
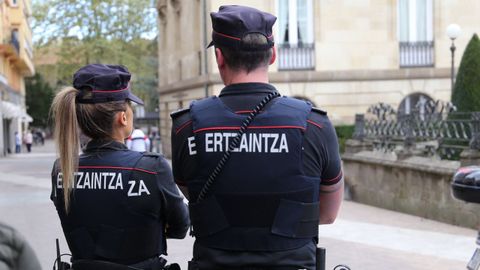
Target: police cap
{"points": [[100, 83], [232, 23]]}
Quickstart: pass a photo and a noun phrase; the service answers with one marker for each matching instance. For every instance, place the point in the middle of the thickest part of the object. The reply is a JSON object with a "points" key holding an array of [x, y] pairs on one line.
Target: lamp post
{"points": [[453, 31]]}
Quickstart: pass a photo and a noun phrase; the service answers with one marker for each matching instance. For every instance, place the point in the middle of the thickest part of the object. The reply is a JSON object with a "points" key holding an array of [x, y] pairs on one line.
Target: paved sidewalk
{"points": [[363, 237]]}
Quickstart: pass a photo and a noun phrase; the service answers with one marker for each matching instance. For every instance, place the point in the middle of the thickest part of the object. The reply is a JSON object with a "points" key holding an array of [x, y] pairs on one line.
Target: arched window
{"points": [[415, 102]]}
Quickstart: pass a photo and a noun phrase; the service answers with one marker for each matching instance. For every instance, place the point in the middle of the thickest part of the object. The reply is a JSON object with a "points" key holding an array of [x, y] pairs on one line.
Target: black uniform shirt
{"points": [[320, 159], [91, 210], [321, 154]]}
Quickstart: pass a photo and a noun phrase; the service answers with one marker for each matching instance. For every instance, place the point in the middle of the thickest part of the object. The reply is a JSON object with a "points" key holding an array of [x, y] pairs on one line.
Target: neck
{"points": [[234, 77], [118, 137]]}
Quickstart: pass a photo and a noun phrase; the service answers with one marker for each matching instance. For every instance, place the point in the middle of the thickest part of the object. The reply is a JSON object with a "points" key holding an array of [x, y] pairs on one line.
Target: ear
{"points": [[122, 119], [220, 58], [274, 55]]}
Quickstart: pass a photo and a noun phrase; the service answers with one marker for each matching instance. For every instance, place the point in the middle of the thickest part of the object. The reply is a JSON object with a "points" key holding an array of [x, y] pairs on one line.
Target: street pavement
{"points": [[363, 237]]}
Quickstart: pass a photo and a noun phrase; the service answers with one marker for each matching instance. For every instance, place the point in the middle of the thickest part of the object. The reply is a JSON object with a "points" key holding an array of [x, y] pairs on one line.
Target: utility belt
{"points": [[157, 263], [319, 264]]}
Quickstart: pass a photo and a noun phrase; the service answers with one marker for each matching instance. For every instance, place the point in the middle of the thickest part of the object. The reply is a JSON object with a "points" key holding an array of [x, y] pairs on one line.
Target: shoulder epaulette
{"points": [[318, 110], [179, 112], [151, 154]]}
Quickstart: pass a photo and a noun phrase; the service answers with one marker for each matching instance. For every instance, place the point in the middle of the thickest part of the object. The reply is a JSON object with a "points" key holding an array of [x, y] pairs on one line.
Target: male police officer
{"points": [[283, 177]]}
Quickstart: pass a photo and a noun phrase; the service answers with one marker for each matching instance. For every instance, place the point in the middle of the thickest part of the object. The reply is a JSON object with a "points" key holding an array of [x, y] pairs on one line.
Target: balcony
{"points": [[11, 45], [416, 54], [300, 57], [19, 54]]}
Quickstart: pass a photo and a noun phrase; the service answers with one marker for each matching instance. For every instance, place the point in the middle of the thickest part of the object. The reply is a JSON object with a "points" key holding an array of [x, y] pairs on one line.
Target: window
{"points": [[15, 41], [416, 102], [295, 34], [415, 33], [28, 48]]}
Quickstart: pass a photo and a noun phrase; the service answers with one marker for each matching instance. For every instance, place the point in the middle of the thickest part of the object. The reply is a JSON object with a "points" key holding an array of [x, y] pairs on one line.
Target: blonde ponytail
{"points": [[94, 120], [66, 138]]}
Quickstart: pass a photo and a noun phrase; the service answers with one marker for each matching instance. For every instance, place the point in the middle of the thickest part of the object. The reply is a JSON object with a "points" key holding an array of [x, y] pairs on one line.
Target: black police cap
{"points": [[232, 23], [105, 83]]}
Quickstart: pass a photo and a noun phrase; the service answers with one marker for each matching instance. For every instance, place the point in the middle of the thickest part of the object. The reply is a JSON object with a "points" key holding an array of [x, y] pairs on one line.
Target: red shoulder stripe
{"points": [[241, 112], [315, 123], [117, 168], [182, 126], [250, 127], [340, 174]]}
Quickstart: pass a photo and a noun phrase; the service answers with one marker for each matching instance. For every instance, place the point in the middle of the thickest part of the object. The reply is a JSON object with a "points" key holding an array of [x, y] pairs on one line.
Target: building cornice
{"points": [[359, 75], [319, 76]]}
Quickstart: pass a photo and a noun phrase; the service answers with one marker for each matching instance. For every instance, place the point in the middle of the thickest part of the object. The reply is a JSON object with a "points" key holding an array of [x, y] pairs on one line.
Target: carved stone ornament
{"points": [[176, 5], [162, 10]]}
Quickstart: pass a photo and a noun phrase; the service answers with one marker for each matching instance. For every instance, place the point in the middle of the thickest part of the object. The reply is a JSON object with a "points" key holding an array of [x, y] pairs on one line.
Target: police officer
{"points": [[282, 177], [116, 206]]}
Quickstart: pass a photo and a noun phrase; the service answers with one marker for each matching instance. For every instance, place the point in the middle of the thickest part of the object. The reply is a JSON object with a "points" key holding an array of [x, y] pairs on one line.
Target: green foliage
{"points": [[466, 94], [38, 99], [344, 133], [92, 31], [92, 20]]}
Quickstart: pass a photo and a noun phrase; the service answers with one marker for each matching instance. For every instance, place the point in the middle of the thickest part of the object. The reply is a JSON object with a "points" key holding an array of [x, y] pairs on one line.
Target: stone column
{"points": [[357, 143], [408, 149]]}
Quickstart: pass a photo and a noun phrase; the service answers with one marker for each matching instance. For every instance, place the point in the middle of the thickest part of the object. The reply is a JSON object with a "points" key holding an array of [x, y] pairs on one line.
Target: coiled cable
{"points": [[233, 144]]}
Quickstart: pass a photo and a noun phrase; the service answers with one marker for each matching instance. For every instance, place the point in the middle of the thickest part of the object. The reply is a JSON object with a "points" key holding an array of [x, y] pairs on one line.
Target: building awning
{"points": [[10, 110]]}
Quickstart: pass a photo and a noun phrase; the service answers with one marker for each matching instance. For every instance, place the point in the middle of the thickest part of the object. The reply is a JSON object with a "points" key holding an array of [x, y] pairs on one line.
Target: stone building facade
{"points": [[16, 54], [343, 56]]}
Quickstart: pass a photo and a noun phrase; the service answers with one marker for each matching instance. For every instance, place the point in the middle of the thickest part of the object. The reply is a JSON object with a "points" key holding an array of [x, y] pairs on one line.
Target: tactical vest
{"points": [[262, 200], [115, 208]]}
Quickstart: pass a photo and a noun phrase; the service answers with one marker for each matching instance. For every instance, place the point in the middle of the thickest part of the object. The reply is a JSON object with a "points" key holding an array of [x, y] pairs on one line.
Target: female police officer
{"points": [[116, 206]]}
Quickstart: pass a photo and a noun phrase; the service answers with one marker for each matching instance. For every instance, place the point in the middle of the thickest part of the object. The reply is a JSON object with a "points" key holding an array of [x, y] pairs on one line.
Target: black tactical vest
{"points": [[115, 208], [262, 200]]}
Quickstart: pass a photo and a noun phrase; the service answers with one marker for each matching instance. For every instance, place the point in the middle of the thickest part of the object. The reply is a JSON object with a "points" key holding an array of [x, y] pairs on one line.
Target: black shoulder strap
{"points": [[179, 112], [233, 144], [318, 110]]}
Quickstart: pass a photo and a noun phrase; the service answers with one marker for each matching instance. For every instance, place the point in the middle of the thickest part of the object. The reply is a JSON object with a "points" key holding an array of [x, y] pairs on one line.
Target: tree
{"points": [[94, 20], [39, 96], [466, 94], [100, 31]]}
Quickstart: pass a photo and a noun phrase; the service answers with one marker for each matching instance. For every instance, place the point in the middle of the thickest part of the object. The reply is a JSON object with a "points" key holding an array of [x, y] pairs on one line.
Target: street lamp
{"points": [[453, 31]]}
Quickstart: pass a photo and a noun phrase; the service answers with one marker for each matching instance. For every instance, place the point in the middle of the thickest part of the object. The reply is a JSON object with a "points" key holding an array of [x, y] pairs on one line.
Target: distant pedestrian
{"points": [[18, 142], [155, 142], [28, 139], [40, 137], [138, 141]]}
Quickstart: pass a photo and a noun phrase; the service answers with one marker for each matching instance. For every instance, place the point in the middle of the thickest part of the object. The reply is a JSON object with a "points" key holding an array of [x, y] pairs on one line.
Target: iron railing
{"points": [[436, 129], [300, 57], [417, 54]]}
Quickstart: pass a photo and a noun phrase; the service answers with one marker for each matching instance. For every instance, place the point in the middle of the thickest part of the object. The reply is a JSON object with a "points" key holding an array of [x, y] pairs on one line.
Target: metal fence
{"points": [[416, 54], [300, 57], [432, 129]]}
